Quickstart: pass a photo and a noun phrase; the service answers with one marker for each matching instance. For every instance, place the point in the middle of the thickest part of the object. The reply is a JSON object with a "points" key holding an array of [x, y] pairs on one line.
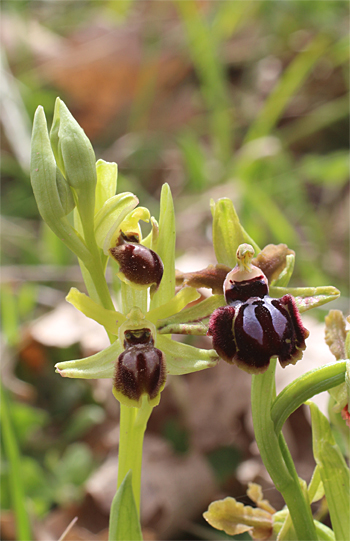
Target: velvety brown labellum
{"points": [[250, 333], [141, 367], [138, 264]]}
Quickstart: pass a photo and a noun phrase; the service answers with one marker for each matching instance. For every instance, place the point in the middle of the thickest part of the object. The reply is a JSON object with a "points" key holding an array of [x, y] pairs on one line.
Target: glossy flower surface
{"points": [[254, 327], [139, 266], [140, 368]]}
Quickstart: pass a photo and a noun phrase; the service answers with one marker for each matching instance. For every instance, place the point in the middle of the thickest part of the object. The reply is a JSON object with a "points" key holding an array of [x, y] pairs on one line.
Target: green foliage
{"points": [[124, 520], [334, 473]]}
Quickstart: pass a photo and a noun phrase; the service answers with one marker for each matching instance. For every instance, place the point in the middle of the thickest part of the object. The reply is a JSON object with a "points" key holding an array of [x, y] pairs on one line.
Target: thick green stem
{"points": [[133, 423], [305, 387], [282, 471]]}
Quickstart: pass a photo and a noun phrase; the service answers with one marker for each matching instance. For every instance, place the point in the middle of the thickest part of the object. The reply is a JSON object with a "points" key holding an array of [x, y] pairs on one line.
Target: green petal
{"points": [[175, 305], [100, 365], [307, 297], [110, 216], [166, 249], [131, 222], [193, 320], [106, 187], [334, 472], [110, 319], [286, 274], [184, 359], [228, 233]]}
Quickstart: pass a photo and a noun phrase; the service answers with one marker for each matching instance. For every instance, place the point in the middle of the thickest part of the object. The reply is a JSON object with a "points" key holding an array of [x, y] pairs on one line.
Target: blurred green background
{"points": [[241, 99]]}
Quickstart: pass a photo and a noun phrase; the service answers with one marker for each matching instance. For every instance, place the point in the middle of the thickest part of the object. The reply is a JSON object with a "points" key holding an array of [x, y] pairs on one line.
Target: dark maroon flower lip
{"points": [[140, 368], [250, 333], [139, 265]]}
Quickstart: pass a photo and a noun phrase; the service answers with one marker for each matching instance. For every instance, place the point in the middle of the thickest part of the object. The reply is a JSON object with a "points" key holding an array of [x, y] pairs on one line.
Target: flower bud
{"points": [[51, 190], [139, 266], [140, 369], [75, 158]]}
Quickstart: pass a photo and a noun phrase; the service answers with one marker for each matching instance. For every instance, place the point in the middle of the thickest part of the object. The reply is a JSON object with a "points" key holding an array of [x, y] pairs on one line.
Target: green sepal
{"points": [[110, 319], [193, 320], [228, 232], [64, 193], [106, 187], [49, 186], [334, 473], [185, 359], [109, 218], [166, 249], [307, 297], [175, 305], [100, 365], [124, 522]]}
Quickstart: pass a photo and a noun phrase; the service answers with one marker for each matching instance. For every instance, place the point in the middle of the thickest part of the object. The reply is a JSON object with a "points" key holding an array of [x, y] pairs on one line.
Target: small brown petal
{"points": [[272, 260]]}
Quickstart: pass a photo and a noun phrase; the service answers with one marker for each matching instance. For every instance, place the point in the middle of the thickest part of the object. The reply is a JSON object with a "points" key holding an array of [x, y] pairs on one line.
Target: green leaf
{"points": [[334, 473], [332, 169], [286, 87], [18, 500], [124, 523]]}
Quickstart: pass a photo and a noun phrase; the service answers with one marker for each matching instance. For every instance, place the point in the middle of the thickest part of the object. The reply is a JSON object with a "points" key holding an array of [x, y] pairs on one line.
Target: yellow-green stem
{"points": [[133, 421], [276, 457]]}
